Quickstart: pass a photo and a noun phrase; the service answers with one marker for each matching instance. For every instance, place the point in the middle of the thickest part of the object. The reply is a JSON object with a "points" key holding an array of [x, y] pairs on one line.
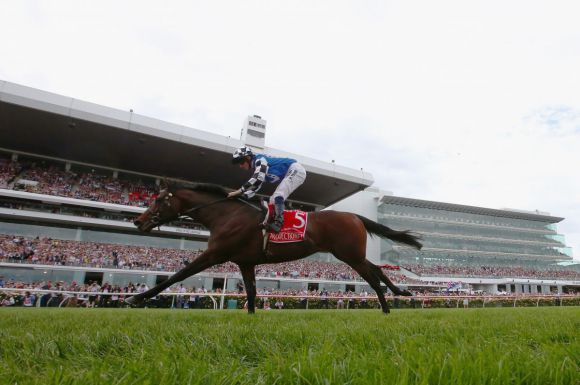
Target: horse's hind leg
{"points": [[381, 275], [367, 273]]}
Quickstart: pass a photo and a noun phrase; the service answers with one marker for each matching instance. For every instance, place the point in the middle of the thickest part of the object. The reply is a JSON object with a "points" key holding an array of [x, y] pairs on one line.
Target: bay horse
{"points": [[236, 236]]}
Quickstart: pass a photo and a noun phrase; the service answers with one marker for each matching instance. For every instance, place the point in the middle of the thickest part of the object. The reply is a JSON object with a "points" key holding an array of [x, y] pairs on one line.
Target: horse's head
{"points": [[176, 200], [165, 208]]}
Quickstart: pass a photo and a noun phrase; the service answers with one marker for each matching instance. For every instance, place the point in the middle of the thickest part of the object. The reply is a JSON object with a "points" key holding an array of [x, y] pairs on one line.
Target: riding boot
{"points": [[279, 216]]}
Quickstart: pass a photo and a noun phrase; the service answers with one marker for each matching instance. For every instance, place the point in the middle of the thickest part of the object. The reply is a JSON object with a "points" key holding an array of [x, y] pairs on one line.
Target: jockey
{"points": [[287, 172]]}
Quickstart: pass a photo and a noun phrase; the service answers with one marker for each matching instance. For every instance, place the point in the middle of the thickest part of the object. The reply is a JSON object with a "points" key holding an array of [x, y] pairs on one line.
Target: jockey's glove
{"points": [[235, 193]]}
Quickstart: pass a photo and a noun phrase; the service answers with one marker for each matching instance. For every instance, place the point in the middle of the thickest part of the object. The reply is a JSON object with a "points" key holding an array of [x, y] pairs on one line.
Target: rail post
{"points": [[224, 292]]}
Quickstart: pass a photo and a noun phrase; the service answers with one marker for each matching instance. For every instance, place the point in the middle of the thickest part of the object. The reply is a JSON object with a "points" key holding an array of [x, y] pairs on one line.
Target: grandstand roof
{"points": [[46, 124], [389, 199]]}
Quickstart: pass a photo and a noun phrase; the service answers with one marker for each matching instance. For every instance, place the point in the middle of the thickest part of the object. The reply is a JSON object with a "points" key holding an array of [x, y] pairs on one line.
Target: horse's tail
{"points": [[405, 236]]}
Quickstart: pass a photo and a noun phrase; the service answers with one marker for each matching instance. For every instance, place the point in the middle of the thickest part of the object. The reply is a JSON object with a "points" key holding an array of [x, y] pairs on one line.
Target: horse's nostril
{"points": [[136, 222]]}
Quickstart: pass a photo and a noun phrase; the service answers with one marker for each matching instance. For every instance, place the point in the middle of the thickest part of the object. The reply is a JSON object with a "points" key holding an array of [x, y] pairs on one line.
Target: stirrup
{"points": [[276, 225]]}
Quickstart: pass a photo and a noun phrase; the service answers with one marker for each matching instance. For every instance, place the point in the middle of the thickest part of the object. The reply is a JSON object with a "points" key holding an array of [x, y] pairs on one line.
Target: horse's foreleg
{"points": [[203, 261], [249, 276]]}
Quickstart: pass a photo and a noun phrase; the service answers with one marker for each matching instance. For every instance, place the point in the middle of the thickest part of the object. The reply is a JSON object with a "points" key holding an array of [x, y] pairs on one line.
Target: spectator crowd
{"points": [[43, 177], [47, 251], [467, 271], [92, 295]]}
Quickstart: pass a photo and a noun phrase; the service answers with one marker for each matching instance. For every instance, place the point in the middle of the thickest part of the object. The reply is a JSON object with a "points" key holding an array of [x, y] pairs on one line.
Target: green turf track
{"points": [[432, 346]]}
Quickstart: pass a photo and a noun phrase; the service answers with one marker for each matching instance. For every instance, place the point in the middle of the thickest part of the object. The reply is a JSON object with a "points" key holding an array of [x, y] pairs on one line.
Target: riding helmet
{"points": [[241, 153]]}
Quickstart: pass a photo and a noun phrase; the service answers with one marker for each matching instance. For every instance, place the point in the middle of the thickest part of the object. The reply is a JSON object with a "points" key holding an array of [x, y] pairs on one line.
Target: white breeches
{"points": [[293, 179]]}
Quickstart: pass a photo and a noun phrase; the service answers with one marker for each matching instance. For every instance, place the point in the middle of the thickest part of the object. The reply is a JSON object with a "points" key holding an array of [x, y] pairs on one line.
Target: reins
{"points": [[193, 209], [249, 204]]}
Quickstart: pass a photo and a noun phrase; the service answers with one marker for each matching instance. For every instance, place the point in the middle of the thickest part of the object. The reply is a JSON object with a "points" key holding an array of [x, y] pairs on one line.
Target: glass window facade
{"points": [[460, 237]]}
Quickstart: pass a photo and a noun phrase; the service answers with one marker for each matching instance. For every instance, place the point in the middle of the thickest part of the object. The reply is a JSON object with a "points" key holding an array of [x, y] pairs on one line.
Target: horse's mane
{"points": [[201, 187]]}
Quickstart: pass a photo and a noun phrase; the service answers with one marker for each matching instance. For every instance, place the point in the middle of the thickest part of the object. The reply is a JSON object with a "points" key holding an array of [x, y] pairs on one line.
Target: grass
{"points": [[148, 346]]}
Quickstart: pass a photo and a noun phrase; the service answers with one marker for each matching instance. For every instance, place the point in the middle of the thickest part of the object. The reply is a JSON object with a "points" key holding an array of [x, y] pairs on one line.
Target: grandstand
{"points": [[511, 251], [73, 175]]}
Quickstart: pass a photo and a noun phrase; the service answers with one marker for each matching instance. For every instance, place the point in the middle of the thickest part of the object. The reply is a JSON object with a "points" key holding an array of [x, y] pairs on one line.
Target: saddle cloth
{"points": [[293, 229]]}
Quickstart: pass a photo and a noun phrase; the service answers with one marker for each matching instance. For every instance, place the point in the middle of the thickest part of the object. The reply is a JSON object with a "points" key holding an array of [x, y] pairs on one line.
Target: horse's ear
{"points": [[171, 185], [164, 185]]}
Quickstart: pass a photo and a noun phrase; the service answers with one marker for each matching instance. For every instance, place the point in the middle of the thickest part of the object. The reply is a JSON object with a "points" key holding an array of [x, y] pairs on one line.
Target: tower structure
{"points": [[254, 132]]}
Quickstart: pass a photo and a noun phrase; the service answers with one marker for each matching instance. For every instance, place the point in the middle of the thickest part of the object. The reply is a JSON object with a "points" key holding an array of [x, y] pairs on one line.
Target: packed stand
{"points": [[43, 177], [491, 272], [47, 251], [49, 180], [99, 188]]}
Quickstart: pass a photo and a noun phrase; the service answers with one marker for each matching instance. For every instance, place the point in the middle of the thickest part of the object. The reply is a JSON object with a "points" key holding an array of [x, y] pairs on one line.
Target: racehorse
{"points": [[235, 235]]}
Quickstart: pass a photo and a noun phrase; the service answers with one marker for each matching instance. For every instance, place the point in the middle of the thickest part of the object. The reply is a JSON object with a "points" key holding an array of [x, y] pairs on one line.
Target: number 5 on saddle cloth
{"points": [[293, 230]]}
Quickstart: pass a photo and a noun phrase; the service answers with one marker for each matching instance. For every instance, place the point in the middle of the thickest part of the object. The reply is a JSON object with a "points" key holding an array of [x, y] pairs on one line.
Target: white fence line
{"points": [[83, 295]]}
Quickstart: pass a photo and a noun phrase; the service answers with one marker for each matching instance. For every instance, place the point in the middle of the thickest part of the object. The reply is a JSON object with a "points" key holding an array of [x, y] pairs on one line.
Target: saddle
{"points": [[293, 230]]}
